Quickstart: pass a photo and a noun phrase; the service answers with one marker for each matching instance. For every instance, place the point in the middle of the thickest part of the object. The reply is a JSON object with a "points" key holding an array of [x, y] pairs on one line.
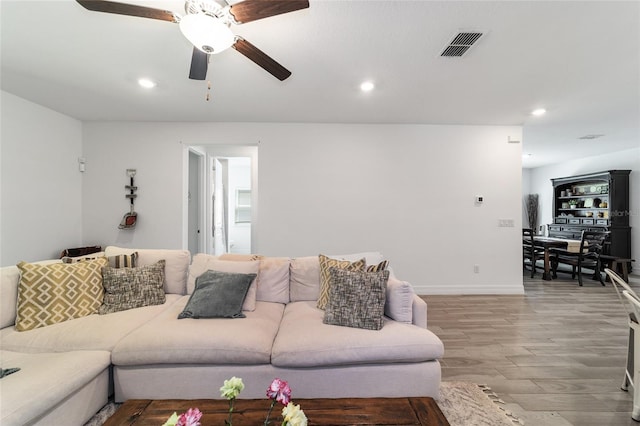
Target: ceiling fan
{"points": [[206, 25]]}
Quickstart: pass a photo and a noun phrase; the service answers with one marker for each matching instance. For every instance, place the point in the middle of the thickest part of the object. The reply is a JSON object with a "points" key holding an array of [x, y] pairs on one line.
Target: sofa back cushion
{"points": [[273, 280], [175, 268], [304, 276]]}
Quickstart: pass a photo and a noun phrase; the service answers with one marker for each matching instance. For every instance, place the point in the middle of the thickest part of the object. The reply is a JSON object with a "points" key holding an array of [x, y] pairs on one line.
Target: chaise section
{"points": [[304, 341], [93, 332], [53, 388]]}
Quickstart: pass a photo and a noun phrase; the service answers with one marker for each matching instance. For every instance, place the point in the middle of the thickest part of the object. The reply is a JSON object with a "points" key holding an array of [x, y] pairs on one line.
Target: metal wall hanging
{"points": [[129, 219]]}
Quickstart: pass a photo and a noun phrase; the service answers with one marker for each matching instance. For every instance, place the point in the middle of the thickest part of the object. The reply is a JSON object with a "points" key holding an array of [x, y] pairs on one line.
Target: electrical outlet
{"points": [[505, 223]]}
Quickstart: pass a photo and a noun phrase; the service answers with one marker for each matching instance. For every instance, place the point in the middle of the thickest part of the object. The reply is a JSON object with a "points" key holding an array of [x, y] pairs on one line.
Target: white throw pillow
{"points": [[399, 302]]}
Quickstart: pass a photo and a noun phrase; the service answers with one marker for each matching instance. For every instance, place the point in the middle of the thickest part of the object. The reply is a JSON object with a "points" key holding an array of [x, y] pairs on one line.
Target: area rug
{"points": [[462, 403], [469, 404]]}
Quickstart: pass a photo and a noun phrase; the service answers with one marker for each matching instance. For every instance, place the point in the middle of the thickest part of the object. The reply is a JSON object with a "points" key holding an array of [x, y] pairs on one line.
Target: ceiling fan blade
{"points": [[127, 9], [252, 10], [262, 59], [199, 65]]}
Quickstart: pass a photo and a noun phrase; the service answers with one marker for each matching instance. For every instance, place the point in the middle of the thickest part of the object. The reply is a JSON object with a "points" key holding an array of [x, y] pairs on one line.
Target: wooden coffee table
{"points": [[343, 411]]}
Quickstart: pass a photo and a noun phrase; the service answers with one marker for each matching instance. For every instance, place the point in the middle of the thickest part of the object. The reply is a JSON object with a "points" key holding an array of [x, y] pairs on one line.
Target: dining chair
{"points": [[530, 251], [588, 256], [634, 380], [619, 285]]}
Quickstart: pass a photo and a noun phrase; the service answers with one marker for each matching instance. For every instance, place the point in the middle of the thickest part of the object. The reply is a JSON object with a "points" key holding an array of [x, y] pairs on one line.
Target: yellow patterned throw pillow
{"points": [[49, 294], [325, 279]]}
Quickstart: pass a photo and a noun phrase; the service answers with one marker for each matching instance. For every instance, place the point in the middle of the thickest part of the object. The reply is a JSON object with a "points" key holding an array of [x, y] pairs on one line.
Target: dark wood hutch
{"points": [[598, 201]]}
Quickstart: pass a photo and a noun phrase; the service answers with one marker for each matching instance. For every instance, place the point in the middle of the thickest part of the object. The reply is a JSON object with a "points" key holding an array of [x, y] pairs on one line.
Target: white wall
{"points": [[622, 160], [406, 190], [40, 184]]}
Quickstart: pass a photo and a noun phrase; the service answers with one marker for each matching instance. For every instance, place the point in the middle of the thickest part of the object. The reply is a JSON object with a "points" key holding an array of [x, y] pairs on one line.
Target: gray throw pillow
{"points": [[128, 288], [356, 299], [218, 295]]}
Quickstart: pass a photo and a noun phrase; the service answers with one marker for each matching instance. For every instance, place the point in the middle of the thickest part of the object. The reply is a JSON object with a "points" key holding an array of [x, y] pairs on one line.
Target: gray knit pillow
{"points": [[128, 288], [356, 299]]}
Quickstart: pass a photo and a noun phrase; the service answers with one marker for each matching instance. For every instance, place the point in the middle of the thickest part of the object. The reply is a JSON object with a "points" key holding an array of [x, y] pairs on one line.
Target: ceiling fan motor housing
{"points": [[207, 33]]}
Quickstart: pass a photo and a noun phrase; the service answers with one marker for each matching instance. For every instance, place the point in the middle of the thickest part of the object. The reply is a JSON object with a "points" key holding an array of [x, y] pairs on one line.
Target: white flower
{"points": [[232, 388], [293, 415]]}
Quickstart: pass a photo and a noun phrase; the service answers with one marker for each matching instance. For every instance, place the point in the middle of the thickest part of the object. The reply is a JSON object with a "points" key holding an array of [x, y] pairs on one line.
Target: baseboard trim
{"points": [[426, 290]]}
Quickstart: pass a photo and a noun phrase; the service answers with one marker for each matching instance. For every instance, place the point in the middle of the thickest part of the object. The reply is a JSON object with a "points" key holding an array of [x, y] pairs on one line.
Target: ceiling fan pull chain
{"points": [[208, 90]]}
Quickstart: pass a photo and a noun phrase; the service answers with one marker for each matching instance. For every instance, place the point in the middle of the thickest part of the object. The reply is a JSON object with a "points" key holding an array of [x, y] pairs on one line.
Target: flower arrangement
{"points": [[278, 391], [189, 418]]}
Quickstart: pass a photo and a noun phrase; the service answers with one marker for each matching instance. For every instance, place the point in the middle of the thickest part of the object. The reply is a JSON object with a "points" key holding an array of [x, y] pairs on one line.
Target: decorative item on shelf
{"points": [[600, 214], [573, 204], [589, 214], [603, 205], [563, 193], [565, 205], [130, 219], [569, 193], [588, 202]]}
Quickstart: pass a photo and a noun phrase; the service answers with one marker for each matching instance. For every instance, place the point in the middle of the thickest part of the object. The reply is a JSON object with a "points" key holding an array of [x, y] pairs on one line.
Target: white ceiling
{"points": [[577, 59]]}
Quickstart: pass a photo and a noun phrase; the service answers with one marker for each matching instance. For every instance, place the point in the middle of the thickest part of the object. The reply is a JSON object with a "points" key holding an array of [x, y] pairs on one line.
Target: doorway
{"points": [[228, 209], [195, 196]]}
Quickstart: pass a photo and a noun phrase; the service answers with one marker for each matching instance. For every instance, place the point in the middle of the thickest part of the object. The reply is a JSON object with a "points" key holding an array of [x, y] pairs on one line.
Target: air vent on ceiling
{"points": [[595, 136], [461, 43]]}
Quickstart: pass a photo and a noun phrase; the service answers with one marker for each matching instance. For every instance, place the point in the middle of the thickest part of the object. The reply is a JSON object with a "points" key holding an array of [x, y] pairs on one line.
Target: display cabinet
{"points": [[595, 201]]}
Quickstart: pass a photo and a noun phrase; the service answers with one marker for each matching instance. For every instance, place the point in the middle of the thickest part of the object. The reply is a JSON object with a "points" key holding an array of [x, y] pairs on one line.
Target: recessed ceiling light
{"points": [[538, 112], [147, 83], [367, 86]]}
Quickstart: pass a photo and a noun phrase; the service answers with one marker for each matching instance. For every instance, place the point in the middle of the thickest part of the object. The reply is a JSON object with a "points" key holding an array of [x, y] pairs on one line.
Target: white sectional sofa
{"points": [[73, 366]]}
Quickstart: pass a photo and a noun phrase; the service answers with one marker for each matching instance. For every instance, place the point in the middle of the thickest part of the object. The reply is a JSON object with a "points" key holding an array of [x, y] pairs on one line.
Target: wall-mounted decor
{"points": [[129, 219]]}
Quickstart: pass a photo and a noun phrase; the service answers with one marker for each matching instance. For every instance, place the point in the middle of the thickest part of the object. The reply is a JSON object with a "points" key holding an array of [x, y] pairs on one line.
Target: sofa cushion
{"points": [[129, 288], [49, 294], [304, 276], [168, 340], [273, 280], [93, 332], [44, 381], [175, 268], [356, 299], [399, 300], [9, 278], [326, 264], [205, 262], [371, 257], [304, 341], [238, 257], [218, 295]]}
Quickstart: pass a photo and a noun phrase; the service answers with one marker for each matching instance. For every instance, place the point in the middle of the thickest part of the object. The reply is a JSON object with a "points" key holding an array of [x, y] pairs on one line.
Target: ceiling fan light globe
{"points": [[206, 33]]}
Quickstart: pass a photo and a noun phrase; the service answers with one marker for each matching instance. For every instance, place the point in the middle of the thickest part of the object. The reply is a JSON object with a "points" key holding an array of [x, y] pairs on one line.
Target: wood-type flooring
{"points": [[555, 355]]}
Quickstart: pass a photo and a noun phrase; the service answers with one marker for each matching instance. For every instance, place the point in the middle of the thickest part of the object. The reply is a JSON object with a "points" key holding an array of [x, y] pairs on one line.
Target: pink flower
{"points": [[279, 391], [190, 418]]}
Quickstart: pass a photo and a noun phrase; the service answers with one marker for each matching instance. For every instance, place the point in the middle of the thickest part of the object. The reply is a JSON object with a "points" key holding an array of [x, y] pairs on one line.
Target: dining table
{"points": [[547, 243]]}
